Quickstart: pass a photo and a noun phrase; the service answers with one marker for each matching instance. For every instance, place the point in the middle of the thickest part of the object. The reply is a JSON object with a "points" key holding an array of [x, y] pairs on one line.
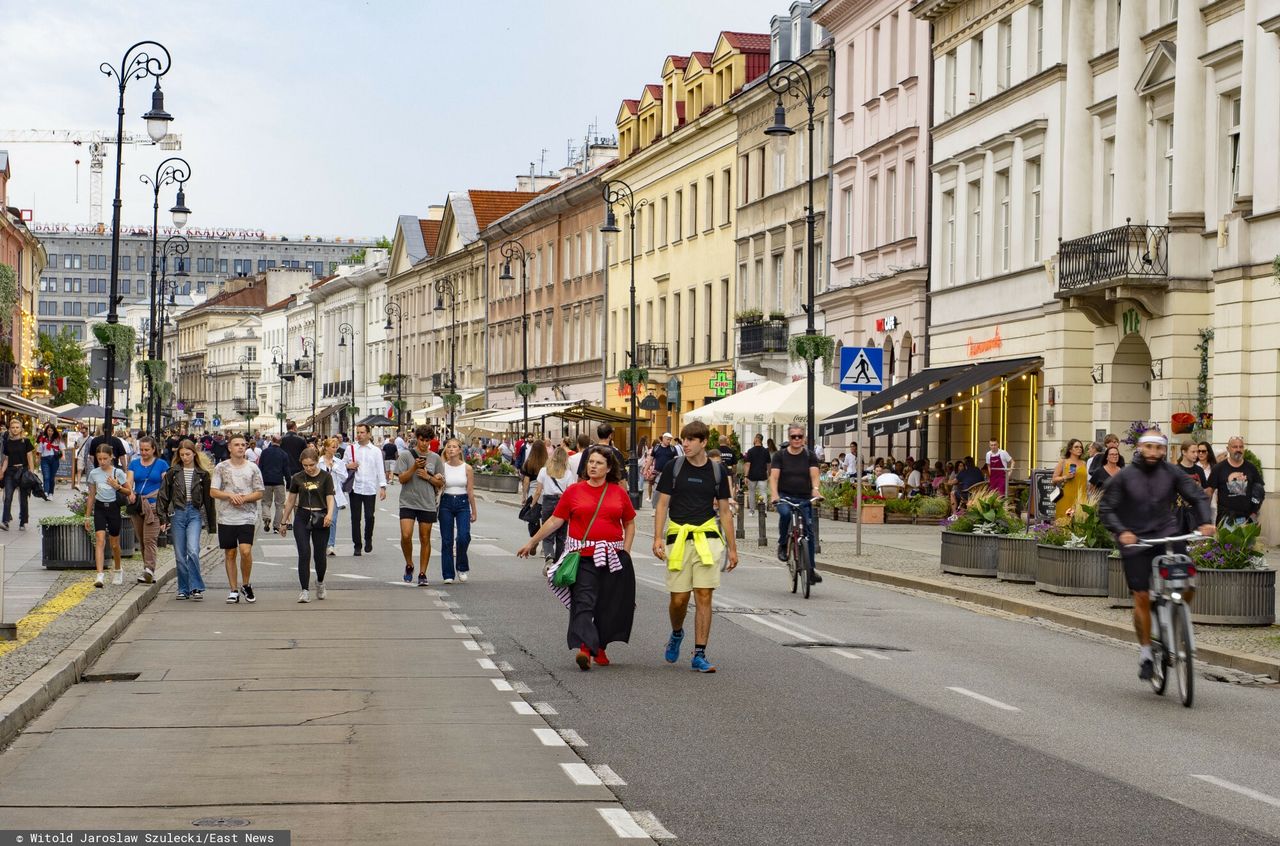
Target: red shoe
{"points": [[601, 658], [583, 658]]}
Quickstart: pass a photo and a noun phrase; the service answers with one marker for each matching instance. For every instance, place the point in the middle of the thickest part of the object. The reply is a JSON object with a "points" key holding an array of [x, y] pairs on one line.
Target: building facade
{"points": [[350, 316], [22, 255]]}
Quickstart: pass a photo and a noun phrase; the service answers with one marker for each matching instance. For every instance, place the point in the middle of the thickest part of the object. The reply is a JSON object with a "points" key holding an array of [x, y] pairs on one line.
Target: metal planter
{"points": [[968, 555], [1117, 586], [1015, 559], [500, 484], [66, 548], [1066, 571], [1235, 597]]}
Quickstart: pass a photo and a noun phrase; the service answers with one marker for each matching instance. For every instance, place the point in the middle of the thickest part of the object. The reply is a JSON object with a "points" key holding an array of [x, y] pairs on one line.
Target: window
{"points": [[949, 84], [891, 205], [1037, 36], [1004, 44], [758, 302], [677, 315], [975, 70], [1169, 10], [893, 50], [662, 223], [1035, 206], [1004, 221], [909, 198], [744, 285], [48, 307], [693, 208], [142, 287], [797, 273], [93, 262], [726, 186], [819, 160], [817, 267], [1108, 181], [760, 174], [124, 263], [779, 165], [693, 324], [949, 237], [724, 318], [710, 196], [846, 203], [222, 268], [126, 286], [778, 295], [677, 225], [873, 211], [873, 61], [1167, 136], [1111, 36], [1233, 146], [650, 241], [710, 320], [53, 261], [744, 188], [71, 308]]}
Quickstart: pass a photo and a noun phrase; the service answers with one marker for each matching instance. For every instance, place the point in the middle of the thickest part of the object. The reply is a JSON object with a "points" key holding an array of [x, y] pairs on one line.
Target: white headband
{"points": [[1154, 439]]}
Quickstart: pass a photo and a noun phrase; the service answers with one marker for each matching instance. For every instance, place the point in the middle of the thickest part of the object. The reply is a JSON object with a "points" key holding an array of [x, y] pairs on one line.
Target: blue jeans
{"points": [[184, 530], [49, 469], [454, 515], [784, 524], [333, 526]]}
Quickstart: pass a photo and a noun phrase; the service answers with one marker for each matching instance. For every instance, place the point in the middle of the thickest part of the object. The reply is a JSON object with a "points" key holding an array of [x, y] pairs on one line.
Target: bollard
{"points": [[760, 515], [817, 538], [8, 631], [741, 531]]}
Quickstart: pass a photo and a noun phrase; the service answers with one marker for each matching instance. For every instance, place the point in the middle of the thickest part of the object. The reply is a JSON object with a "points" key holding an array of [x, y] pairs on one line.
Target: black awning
{"points": [[896, 426], [847, 420], [973, 375]]}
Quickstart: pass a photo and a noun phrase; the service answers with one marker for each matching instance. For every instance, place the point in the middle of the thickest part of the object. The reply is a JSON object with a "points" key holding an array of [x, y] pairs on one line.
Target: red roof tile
{"points": [[632, 106], [491, 205], [701, 58], [655, 91], [678, 62], [430, 234], [748, 42], [252, 296]]}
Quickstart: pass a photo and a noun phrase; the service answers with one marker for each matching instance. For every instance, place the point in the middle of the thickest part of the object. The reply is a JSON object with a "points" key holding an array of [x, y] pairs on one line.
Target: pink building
{"points": [[879, 188]]}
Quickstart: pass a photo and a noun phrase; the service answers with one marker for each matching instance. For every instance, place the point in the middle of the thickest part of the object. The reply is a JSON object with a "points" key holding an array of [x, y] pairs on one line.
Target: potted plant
{"points": [[1234, 586], [873, 506], [749, 316], [1072, 557], [64, 543], [1016, 553], [931, 509], [969, 537], [777, 316], [899, 511]]}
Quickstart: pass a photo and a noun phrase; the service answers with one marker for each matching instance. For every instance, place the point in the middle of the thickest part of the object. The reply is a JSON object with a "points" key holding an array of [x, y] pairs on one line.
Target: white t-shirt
{"points": [[245, 479], [575, 461], [850, 463], [888, 478], [556, 487], [913, 479], [1005, 458]]}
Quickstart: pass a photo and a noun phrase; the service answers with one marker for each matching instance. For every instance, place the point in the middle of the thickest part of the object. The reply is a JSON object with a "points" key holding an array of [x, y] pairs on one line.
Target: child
{"points": [[108, 487]]}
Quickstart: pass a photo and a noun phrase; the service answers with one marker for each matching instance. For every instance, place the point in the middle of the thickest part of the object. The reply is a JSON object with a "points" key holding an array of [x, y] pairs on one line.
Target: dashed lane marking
{"points": [[472, 645], [581, 774], [1241, 789], [620, 820], [524, 708], [549, 737], [475, 630], [994, 703], [459, 629], [771, 624], [843, 654], [521, 687], [501, 684], [487, 664], [487, 647], [572, 738], [353, 576], [506, 667], [873, 654], [545, 709], [607, 776], [651, 826]]}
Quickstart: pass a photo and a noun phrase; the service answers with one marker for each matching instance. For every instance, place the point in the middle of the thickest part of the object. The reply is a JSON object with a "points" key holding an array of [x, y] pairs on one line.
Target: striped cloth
{"points": [[610, 559]]}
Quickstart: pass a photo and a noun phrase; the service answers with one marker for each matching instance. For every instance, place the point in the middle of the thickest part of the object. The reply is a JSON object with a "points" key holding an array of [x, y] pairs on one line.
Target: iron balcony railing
{"points": [[760, 338], [1124, 252], [439, 382], [652, 356]]}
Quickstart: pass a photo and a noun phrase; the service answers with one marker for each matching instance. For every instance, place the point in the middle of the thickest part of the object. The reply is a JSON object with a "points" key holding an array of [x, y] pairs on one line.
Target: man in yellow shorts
{"points": [[692, 490]]}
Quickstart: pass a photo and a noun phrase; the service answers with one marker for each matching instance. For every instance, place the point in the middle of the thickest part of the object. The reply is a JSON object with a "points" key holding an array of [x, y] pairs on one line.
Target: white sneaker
{"points": [[305, 596], [448, 581], [332, 552], [321, 593], [97, 581], [462, 577], [117, 577]]}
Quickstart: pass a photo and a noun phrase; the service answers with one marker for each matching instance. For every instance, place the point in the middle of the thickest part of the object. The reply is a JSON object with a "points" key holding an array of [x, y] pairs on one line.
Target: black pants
{"points": [[602, 605], [12, 482], [362, 504], [552, 544], [311, 544]]}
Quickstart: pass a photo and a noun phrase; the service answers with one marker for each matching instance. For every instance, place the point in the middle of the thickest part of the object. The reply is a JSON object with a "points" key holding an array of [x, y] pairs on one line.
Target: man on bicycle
{"points": [[793, 473], [1138, 502]]}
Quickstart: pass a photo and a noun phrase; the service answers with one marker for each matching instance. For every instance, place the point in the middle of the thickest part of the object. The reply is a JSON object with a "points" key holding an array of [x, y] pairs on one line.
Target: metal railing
{"points": [[1123, 252], [652, 356], [759, 338]]}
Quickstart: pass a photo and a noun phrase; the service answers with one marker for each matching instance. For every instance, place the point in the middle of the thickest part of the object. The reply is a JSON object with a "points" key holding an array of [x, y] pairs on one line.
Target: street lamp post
{"points": [[242, 360], [446, 287], [172, 170], [618, 192], [137, 63], [510, 250], [277, 358], [307, 370], [393, 307], [211, 374], [176, 246], [346, 330]]}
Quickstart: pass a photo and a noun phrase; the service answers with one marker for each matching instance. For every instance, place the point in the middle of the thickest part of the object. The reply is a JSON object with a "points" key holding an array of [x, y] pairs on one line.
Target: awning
{"points": [[22, 405], [955, 388], [422, 415], [311, 422], [847, 420], [503, 417], [583, 411]]}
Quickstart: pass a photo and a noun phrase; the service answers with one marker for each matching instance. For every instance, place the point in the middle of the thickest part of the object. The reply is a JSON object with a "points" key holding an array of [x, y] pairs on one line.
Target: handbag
{"points": [[567, 571], [349, 483], [527, 513], [315, 519], [134, 509]]}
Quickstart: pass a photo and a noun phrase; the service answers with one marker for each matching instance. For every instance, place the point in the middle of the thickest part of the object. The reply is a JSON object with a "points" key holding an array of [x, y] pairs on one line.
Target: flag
{"points": [[60, 383]]}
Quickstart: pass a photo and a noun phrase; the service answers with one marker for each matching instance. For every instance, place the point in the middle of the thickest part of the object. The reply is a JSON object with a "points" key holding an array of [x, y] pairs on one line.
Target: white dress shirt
{"points": [[369, 473]]}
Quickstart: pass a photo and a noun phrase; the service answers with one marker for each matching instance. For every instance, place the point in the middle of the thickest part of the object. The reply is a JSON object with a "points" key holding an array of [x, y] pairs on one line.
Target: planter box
{"points": [[66, 548], [128, 540], [1117, 588], [968, 555], [499, 484], [1015, 559], [900, 519], [1235, 597], [871, 514], [1071, 572]]}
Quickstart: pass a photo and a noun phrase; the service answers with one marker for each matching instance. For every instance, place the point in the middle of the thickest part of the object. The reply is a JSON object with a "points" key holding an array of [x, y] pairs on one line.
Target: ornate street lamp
{"points": [[277, 359], [176, 246], [249, 409], [172, 170], [393, 307], [304, 368], [345, 331], [446, 287], [511, 250]]}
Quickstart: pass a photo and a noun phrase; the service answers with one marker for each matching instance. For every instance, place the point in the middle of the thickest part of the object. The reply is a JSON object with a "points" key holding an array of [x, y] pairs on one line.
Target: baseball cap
{"points": [[666, 434]]}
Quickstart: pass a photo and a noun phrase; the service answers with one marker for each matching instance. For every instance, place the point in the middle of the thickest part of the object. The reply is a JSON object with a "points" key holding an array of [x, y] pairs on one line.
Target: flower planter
{"points": [[1235, 597], [898, 518], [1117, 587], [128, 541], [1015, 559], [66, 548], [1071, 572], [499, 484], [870, 514], [968, 555]]}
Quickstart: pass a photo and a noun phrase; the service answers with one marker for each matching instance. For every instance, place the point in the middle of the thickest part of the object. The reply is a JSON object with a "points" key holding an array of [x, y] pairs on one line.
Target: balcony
{"points": [[1114, 256], [244, 407], [439, 381], [769, 337], [652, 356]]}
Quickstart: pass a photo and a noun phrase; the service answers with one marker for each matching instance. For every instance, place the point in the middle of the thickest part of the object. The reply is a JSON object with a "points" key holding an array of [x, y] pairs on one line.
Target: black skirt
{"points": [[602, 605]]}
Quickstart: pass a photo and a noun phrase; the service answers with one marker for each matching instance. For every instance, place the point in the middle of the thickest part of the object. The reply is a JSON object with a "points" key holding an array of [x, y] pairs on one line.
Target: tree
{"points": [[63, 356], [358, 256]]}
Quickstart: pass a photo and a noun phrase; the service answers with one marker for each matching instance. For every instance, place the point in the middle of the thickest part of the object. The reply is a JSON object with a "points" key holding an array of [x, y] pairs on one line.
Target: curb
{"points": [[26, 701], [1214, 655]]}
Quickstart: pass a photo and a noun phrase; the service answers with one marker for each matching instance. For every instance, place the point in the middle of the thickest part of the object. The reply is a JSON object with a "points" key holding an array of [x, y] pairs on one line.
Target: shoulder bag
{"points": [[349, 483], [134, 508], [567, 572]]}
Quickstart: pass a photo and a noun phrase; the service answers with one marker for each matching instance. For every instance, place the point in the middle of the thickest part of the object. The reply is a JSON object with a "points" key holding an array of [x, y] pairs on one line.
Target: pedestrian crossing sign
{"points": [[861, 369]]}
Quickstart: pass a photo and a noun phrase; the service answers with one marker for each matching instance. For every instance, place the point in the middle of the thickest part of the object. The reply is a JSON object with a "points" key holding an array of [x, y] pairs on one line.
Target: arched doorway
{"points": [[1130, 380]]}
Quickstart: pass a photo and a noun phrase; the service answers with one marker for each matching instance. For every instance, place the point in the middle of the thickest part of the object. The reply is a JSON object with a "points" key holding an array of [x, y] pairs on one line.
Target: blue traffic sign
{"points": [[217, 422], [861, 369]]}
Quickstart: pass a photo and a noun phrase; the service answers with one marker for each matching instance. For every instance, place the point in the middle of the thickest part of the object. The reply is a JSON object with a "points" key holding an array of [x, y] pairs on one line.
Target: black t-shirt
{"points": [[1233, 485], [757, 460], [312, 491], [171, 445], [694, 494], [16, 449], [117, 447], [793, 472], [728, 456], [293, 445], [1196, 472], [661, 455]]}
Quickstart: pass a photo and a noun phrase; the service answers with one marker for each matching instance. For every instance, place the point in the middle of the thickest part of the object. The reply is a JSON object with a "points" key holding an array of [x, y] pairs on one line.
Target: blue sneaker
{"points": [[673, 647], [701, 664]]}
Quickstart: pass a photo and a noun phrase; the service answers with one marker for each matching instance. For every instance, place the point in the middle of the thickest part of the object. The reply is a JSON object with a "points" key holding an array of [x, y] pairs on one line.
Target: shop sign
{"points": [[722, 383], [989, 345]]}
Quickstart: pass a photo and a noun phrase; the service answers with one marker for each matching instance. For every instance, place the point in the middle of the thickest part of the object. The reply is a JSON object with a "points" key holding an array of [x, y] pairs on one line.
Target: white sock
{"points": [[1146, 653]]}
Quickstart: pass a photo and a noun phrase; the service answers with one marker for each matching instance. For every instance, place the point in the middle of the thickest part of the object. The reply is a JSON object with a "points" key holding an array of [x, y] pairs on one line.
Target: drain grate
{"points": [[830, 644], [109, 677], [221, 822]]}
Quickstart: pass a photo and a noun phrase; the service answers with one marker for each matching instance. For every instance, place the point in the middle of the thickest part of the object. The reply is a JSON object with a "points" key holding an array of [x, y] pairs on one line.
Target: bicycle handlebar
{"points": [[1146, 543], [795, 500]]}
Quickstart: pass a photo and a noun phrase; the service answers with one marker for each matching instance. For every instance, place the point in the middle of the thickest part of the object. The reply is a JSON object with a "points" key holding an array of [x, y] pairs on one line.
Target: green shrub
{"points": [[899, 506], [1230, 549], [932, 506]]}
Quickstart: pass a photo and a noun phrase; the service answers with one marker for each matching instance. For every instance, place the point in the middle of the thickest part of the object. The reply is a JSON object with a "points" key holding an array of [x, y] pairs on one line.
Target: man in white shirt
{"points": [[364, 460], [888, 479], [237, 488], [851, 461], [999, 467]]}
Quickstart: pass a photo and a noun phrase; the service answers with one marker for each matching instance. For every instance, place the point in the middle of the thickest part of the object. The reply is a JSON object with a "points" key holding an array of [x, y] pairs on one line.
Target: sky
{"points": [[333, 117]]}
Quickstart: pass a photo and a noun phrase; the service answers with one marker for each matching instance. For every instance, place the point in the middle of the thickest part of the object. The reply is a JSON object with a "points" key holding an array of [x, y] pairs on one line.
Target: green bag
{"points": [[567, 572]]}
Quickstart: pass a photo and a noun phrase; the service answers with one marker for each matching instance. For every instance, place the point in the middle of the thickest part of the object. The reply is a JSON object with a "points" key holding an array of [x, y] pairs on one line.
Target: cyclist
{"points": [[793, 474], [1139, 502]]}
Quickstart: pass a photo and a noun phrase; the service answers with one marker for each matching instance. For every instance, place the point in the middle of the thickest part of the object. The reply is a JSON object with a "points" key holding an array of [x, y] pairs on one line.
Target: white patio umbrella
{"points": [[730, 409], [785, 404]]}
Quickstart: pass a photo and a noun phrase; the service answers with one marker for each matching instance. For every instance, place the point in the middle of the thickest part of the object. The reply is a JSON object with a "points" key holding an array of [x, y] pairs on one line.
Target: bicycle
{"points": [[799, 567], [1172, 640]]}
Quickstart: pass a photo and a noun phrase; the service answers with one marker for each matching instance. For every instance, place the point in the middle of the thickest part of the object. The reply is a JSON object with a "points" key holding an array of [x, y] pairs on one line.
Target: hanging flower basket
{"points": [[452, 400], [353, 410], [116, 336], [812, 347], [633, 376], [526, 389], [153, 369]]}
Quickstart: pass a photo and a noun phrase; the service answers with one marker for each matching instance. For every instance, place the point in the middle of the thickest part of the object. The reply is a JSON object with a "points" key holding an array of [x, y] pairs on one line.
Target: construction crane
{"points": [[98, 143]]}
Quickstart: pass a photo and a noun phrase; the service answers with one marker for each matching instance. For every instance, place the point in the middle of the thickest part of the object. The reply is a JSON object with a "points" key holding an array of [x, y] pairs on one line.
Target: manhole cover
{"points": [[221, 822], [828, 644]]}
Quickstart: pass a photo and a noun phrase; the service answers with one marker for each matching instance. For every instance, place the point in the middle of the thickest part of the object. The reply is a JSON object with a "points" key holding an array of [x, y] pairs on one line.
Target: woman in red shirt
{"points": [[602, 602]]}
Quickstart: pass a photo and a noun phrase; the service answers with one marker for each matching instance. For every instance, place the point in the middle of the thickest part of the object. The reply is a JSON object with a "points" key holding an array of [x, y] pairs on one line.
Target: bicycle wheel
{"points": [[1183, 661], [802, 564], [792, 569], [1159, 656]]}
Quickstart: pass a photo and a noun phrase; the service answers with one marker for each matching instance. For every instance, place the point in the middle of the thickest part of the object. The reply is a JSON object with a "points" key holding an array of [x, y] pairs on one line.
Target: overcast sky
{"points": [[332, 117]]}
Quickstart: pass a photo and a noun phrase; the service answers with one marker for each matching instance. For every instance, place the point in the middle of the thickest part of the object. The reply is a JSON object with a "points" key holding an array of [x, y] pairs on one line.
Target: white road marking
{"points": [[545, 709], [608, 776], [521, 687], [843, 654], [487, 647], [995, 703], [582, 774], [1241, 789], [572, 738], [352, 576], [505, 666], [771, 624], [268, 563], [472, 645], [620, 820], [439, 603], [549, 737], [449, 604], [501, 684], [652, 827], [440, 593], [459, 629], [873, 654], [523, 708], [486, 664], [488, 549], [475, 630], [458, 616], [399, 583]]}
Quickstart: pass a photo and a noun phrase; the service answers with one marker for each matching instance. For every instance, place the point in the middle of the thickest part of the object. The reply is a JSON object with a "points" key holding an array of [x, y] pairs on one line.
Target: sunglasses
{"points": [[796, 437]]}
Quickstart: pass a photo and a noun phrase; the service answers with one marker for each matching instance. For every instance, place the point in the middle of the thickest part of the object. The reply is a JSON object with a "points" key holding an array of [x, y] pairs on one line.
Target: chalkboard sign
{"points": [[1042, 510]]}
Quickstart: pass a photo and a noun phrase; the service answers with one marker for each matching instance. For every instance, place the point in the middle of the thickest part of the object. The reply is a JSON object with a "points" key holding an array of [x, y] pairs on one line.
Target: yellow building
{"points": [[678, 153]]}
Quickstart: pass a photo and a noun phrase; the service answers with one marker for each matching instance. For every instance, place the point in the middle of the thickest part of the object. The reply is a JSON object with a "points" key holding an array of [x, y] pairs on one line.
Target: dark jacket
{"points": [[173, 495], [1142, 502], [293, 444], [274, 464]]}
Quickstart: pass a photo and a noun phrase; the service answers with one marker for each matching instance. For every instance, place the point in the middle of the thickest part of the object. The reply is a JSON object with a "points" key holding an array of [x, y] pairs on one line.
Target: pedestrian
{"points": [[1070, 475], [1188, 463], [186, 506], [1207, 458], [663, 454], [604, 438], [389, 454], [49, 445], [74, 438], [335, 467], [274, 464], [691, 492], [757, 461], [644, 455], [602, 526], [369, 485], [19, 456], [582, 441], [108, 486], [116, 444], [553, 480], [237, 486], [1103, 472], [172, 443], [1111, 440], [293, 444], [793, 473], [311, 495], [457, 510], [1236, 482], [146, 472], [420, 472], [533, 465], [252, 452], [1000, 465]]}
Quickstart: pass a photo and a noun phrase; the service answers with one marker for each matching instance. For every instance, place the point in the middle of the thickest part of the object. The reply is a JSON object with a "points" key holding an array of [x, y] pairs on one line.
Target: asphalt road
{"points": [[866, 715]]}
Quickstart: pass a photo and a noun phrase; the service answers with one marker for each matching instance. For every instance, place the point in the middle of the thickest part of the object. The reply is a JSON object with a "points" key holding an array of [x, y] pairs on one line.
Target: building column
{"points": [[1077, 157], [1131, 125], [1264, 184], [1186, 218], [1248, 105]]}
